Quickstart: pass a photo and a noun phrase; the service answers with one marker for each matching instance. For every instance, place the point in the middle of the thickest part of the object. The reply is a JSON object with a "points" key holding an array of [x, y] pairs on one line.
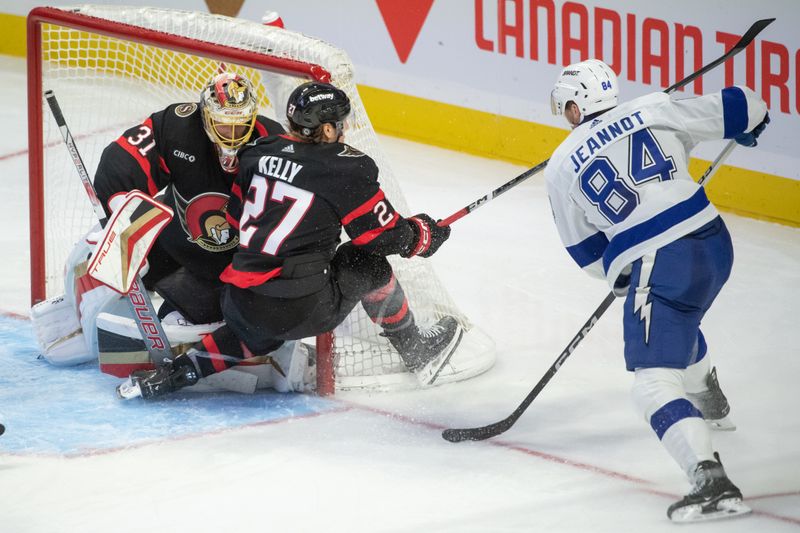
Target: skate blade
{"points": [[722, 424], [129, 389], [730, 508], [427, 374]]}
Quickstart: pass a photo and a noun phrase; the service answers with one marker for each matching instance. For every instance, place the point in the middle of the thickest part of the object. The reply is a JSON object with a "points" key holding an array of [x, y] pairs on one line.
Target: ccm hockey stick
{"points": [[492, 430], [746, 39], [142, 308]]}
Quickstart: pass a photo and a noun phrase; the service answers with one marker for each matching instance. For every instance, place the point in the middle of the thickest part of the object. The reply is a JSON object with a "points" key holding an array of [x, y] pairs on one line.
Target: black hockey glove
{"points": [[749, 139], [428, 236]]}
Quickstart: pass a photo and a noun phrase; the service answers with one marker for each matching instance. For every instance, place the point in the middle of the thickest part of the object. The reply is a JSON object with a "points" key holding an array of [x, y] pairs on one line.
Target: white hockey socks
{"points": [[659, 395]]}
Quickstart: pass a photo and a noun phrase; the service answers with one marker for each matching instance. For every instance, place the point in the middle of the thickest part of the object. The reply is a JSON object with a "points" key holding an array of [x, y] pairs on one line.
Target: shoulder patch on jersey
{"points": [[184, 110], [349, 151]]}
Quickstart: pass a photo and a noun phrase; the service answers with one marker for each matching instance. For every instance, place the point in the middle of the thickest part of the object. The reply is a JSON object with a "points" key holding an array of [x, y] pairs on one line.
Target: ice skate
{"points": [[714, 496], [713, 404], [150, 384], [425, 351]]}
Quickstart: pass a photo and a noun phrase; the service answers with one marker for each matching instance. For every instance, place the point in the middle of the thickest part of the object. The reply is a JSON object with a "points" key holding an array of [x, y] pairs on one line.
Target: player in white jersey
{"points": [[628, 211]]}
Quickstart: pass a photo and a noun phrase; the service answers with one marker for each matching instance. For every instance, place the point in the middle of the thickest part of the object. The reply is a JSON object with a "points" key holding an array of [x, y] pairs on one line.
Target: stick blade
{"points": [[481, 433], [754, 30]]}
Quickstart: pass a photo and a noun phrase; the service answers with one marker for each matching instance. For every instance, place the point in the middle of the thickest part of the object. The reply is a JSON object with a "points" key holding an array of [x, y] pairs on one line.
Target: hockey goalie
{"points": [[165, 185]]}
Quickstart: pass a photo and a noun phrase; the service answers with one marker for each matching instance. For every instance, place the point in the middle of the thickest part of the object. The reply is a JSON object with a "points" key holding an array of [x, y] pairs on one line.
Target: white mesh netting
{"points": [[107, 84]]}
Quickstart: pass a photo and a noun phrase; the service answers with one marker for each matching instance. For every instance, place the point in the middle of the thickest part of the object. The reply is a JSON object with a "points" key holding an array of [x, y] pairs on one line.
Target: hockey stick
{"points": [[143, 313], [492, 430], [746, 39]]}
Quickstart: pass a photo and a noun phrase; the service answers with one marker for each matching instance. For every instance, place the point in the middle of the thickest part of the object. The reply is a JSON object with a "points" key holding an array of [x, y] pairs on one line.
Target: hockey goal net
{"points": [[111, 66]]}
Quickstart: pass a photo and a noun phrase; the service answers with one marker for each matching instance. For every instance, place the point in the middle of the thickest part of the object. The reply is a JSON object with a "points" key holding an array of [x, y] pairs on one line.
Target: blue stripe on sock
{"points": [[672, 413]]}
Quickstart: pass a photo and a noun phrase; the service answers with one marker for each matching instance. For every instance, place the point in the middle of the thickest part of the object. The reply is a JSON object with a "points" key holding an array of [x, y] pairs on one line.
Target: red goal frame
{"points": [[49, 15]]}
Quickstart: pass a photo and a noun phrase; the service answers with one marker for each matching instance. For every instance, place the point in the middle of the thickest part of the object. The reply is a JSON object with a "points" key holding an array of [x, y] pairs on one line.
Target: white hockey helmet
{"points": [[591, 84], [229, 107]]}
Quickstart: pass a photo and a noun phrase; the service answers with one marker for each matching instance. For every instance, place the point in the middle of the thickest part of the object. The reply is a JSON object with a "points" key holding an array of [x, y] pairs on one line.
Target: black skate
{"points": [[713, 404], [426, 351], [149, 384], [713, 497]]}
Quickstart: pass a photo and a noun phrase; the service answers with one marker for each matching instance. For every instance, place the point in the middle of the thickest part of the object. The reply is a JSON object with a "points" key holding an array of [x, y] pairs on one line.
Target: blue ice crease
{"points": [[73, 410]]}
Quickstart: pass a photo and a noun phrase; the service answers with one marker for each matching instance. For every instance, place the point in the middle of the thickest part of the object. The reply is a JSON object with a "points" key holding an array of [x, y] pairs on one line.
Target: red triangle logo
{"points": [[404, 21]]}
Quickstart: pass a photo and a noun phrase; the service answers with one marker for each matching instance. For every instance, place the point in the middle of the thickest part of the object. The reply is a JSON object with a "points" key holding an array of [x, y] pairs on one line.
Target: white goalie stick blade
{"points": [[126, 241], [730, 508], [129, 389], [427, 374]]}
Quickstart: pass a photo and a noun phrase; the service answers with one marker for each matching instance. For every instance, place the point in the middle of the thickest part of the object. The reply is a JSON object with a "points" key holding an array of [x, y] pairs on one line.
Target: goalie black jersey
{"points": [[293, 198], [171, 152]]}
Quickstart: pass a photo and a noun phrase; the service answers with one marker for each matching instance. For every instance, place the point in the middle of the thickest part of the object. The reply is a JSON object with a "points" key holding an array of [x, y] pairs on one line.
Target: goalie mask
{"points": [[313, 104], [591, 84], [229, 108]]}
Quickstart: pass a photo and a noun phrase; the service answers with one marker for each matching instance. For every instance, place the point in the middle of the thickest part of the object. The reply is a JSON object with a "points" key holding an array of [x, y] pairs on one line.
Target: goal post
{"points": [[112, 66]]}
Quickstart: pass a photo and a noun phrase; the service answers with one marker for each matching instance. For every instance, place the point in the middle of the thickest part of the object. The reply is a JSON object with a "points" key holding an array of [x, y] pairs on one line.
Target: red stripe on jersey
{"points": [[163, 165], [363, 209], [214, 352], [244, 280], [261, 129], [398, 316], [144, 163], [368, 236], [236, 190], [378, 295], [289, 137], [232, 221]]}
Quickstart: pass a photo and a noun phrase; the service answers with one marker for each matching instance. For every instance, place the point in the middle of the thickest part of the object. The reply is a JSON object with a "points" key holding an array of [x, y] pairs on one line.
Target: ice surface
{"points": [[579, 460]]}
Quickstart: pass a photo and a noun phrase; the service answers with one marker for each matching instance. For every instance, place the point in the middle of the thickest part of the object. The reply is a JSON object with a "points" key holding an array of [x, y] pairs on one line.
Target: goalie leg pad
{"points": [[58, 332], [122, 351], [290, 367]]}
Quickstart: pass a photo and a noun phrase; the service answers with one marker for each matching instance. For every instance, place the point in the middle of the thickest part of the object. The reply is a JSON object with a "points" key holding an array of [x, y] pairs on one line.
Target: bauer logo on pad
{"points": [[126, 241]]}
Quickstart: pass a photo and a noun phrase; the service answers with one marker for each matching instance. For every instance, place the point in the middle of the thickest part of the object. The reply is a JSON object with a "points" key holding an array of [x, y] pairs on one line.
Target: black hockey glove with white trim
{"points": [[428, 236], [749, 139]]}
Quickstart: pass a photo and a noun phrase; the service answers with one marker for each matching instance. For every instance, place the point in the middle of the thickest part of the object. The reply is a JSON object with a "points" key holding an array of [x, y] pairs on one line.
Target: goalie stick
{"points": [[142, 308], [492, 430], [746, 39]]}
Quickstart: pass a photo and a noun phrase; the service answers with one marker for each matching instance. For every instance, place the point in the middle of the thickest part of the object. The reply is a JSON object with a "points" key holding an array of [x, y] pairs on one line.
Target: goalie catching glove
{"points": [[428, 236]]}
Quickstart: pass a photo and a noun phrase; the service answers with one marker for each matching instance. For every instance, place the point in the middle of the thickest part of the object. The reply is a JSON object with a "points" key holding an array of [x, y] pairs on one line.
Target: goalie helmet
{"points": [[313, 104], [229, 106], [591, 84]]}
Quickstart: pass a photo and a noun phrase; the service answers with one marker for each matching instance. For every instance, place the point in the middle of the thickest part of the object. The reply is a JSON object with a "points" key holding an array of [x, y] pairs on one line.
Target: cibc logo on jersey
{"points": [[203, 220]]}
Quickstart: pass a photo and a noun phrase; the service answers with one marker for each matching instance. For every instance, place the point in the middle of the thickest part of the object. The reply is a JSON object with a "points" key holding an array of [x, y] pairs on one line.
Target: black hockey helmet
{"points": [[313, 104]]}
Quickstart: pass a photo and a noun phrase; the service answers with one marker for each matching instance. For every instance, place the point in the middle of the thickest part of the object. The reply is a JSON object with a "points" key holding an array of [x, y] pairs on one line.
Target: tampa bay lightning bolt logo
{"points": [[203, 220]]}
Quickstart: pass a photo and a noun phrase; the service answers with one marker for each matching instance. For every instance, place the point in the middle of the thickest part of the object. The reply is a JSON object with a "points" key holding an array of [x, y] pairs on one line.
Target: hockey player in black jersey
{"points": [[188, 153], [290, 277]]}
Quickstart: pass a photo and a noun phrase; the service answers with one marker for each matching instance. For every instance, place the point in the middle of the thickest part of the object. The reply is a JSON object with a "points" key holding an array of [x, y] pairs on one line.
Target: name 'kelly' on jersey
{"points": [[619, 184]]}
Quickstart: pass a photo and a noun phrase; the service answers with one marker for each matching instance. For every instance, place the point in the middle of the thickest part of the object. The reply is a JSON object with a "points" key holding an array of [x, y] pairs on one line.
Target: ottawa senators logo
{"points": [[203, 220]]}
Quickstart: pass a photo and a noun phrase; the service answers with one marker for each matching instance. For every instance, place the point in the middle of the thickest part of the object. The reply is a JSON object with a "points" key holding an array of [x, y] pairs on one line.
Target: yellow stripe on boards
{"points": [[12, 35]]}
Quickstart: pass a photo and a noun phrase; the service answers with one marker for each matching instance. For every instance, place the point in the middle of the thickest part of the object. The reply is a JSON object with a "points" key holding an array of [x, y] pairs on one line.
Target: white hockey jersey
{"points": [[619, 185]]}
